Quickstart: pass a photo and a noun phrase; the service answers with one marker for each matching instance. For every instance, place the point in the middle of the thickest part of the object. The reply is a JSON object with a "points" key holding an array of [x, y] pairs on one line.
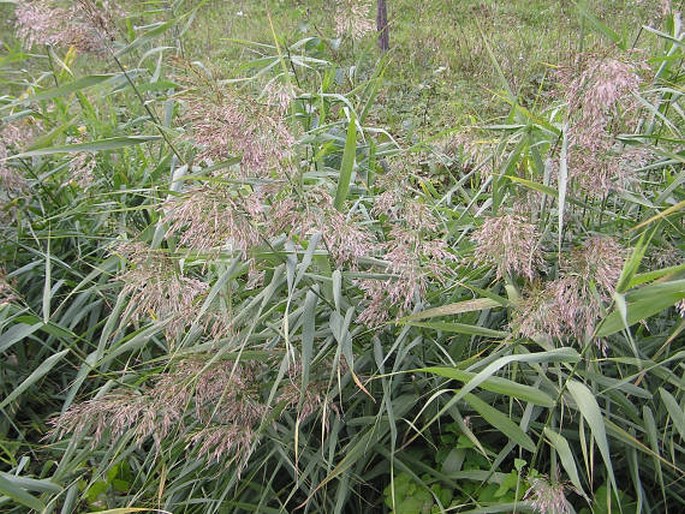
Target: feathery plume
{"points": [[592, 96], [82, 168], [412, 261], [223, 396], [112, 415], [308, 401], [279, 95], [156, 289], [352, 18], [565, 307], [510, 243], [547, 498], [238, 127], [569, 306], [12, 137], [599, 260], [212, 218], [216, 441], [84, 25], [39, 22], [346, 240]]}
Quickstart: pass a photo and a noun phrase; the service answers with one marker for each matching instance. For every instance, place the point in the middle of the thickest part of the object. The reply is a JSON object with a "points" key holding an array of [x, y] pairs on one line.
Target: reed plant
{"points": [[243, 292]]}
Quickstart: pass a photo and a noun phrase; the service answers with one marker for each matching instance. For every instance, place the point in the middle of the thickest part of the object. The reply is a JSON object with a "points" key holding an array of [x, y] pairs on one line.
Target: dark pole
{"points": [[382, 26]]}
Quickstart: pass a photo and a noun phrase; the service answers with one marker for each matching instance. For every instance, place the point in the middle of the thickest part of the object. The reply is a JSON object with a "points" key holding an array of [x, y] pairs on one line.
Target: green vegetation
{"points": [[251, 264]]}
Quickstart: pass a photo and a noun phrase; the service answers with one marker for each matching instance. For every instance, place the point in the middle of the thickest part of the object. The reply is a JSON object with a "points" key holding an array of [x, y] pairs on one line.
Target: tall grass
{"points": [[244, 294]]}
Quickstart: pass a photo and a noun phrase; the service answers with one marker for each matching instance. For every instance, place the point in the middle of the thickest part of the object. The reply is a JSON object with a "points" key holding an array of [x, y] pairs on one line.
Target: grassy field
{"points": [[249, 263], [439, 73]]}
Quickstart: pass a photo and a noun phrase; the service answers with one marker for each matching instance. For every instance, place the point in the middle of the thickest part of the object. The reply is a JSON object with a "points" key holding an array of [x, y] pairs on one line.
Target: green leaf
{"points": [[19, 495], [461, 328], [112, 143], [501, 422], [560, 444], [556, 355], [477, 304], [34, 377], [589, 408], [71, 87], [674, 410], [32, 484], [663, 214], [642, 304], [347, 166], [128, 510], [495, 385], [16, 333]]}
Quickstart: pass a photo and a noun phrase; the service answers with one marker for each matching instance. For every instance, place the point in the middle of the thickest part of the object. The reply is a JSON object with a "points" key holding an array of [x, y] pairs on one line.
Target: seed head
{"points": [[234, 126], [231, 440], [593, 93], [82, 168], [603, 168], [156, 289], [221, 396], [308, 401], [569, 306], [214, 218], [352, 18], [85, 26], [279, 95], [346, 240], [510, 243], [39, 22], [376, 312], [412, 261], [13, 137], [112, 415], [599, 260], [547, 498], [562, 308]]}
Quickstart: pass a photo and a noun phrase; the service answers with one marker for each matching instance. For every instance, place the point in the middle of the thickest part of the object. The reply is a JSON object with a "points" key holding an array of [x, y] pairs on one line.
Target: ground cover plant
{"points": [[277, 271]]}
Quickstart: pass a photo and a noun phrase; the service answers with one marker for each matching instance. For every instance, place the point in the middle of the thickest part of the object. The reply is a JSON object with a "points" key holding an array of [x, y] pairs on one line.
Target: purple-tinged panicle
{"points": [[510, 243], [593, 95], [569, 306], [599, 260], [346, 240], [207, 219], [12, 138], [84, 25], [39, 22], [279, 95], [547, 498], [225, 442], [220, 395], [156, 289], [237, 127]]}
